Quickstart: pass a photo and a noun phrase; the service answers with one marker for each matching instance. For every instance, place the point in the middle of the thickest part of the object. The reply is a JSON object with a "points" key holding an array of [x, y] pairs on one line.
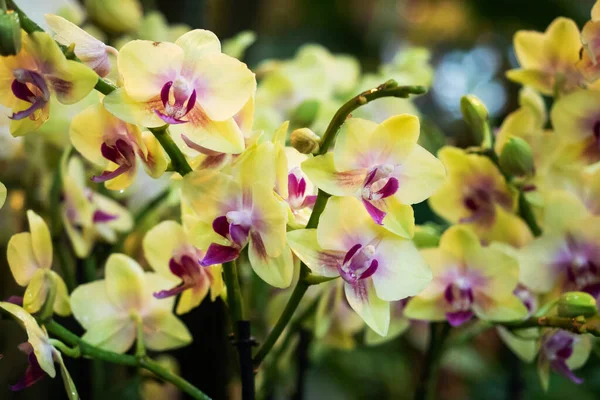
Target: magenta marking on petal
{"points": [[561, 367], [221, 226], [259, 245], [163, 294], [110, 153], [301, 187], [219, 254], [459, 317], [374, 212], [164, 92], [371, 270], [309, 201], [108, 175], [22, 92], [351, 252], [370, 177], [17, 300], [190, 266], [239, 234], [176, 268], [191, 102], [389, 189], [126, 150], [195, 146], [169, 119], [33, 373], [293, 185], [36, 105], [101, 216]]}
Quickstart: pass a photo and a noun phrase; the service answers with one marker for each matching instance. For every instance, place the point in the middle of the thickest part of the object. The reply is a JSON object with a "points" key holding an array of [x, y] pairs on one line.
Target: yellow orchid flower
{"points": [[562, 352], [468, 280], [590, 33], [87, 215], [477, 195], [549, 60], [40, 352], [576, 120], [566, 256], [302, 194], [383, 166], [2, 194], [32, 76], [232, 211], [189, 84], [112, 144], [169, 250], [123, 306], [30, 259], [376, 265]]}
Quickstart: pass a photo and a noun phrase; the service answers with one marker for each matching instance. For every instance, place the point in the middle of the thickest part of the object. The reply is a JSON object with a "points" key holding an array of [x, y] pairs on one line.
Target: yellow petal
{"points": [[352, 144], [36, 293], [321, 172], [394, 139], [197, 44], [2, 194], [161, 242], [62, 305], [21, 259], [123, 106], [89, 313], [573, 116], [374, 311], [112, 334], [164, 331], [529, 48], [125, 282], [563, 41], [221, 136], [304, 244], [420, 176], [511, 308], [146, 66], [40, 240], [277, 271], [271, 217], [539, 80]]}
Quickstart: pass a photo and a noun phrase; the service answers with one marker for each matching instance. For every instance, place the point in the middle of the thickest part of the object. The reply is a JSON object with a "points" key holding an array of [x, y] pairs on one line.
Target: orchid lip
{"points": [[183, 104], [23, 92], [122, 154], [359, 263]]}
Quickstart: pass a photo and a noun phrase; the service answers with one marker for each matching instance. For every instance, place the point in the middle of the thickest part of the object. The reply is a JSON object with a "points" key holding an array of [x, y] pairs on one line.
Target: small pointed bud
{"points": [[305, 141], [118, 16], [575, 304], [476, 115], [426, 236], [10, 33], [516, 158]]}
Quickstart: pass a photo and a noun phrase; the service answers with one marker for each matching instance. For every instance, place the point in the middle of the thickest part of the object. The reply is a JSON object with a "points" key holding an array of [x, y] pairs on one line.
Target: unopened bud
{"points": [[118, 16], [305, 141], [476, 115], [426, 236], [575, 304], [10, 33], [516, 158]]}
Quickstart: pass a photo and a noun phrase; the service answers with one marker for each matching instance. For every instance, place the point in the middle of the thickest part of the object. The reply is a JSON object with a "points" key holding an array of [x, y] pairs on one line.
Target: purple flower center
{"points": [[183, 102], [34, 371], [120, 153], [234, 226], [528, 299], [38, 98], [378, 185], [297, 198], [189, 270], [556, 349], [359, 263], [580, 260], [459, 297]]}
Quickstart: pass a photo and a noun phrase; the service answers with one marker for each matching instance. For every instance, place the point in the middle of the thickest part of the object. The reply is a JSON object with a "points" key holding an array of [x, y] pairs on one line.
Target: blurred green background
{"points": [[470, 43]]}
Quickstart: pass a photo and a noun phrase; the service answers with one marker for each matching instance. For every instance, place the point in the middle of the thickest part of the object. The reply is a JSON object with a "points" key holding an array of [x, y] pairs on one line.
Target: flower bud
{"points": [[575, 304], [516, 158], [118, 16], [426, 236], [10, 33], [305, 141], [475, 114]]}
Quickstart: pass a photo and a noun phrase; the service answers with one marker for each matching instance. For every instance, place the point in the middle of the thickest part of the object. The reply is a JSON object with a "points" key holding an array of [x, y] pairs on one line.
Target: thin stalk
{"points": [[526, 213], [89, 351], [438, 333], [234, 293], [178, 160]]}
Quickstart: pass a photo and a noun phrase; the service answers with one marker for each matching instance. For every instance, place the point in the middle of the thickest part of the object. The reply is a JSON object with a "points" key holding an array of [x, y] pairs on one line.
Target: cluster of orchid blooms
{"points": [[522, 207]]}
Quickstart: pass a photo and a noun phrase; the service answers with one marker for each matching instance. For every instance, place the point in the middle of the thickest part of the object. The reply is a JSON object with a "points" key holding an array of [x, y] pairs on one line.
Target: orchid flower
{"points": [[590, 33], [189, 84], [549, 60], [169, 251], [398, 324], [91, 51], [562, 352], [477, 195], [30, 78], [234, 211], [112, 145], [376, 265], [302, 194], [567, 255], [123, 307], [30, 259], [3, 194], [468, 280], [383, 166], [40, 352], [88, 215]]}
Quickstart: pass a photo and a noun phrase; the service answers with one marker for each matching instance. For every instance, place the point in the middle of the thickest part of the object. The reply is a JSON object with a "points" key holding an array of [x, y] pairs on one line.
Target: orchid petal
{"points": [[278, 270], [21, 259], [112, 334], [40, 240], [124, 282], [164, 331], [420, 175], [353, 145], [374, 311], [161, 242], [303, 243], [321, 171]]}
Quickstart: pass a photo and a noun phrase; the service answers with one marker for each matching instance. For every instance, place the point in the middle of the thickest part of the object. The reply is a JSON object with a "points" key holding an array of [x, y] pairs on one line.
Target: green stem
{"points": [[87, 350], [526, 213], [74, 352], [387, 89], [178, 160], [234, 293], [579, 325], [140, 346], [89, 268], [426, 388], [67, 266]]}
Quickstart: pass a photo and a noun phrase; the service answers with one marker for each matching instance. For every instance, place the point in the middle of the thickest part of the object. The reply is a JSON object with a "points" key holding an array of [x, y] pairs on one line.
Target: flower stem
{"points": [[87, 350], [387, 89], [178, 160], [438, 332], [579, 325], [526, 213]]}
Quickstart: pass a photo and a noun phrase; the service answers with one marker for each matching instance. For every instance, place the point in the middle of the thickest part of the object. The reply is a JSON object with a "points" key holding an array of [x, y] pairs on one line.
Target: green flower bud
{"points": [[10, 33], [426, 236], [305, 141], [516, 158], [575, 304], [476, 115], [118, 16]]}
